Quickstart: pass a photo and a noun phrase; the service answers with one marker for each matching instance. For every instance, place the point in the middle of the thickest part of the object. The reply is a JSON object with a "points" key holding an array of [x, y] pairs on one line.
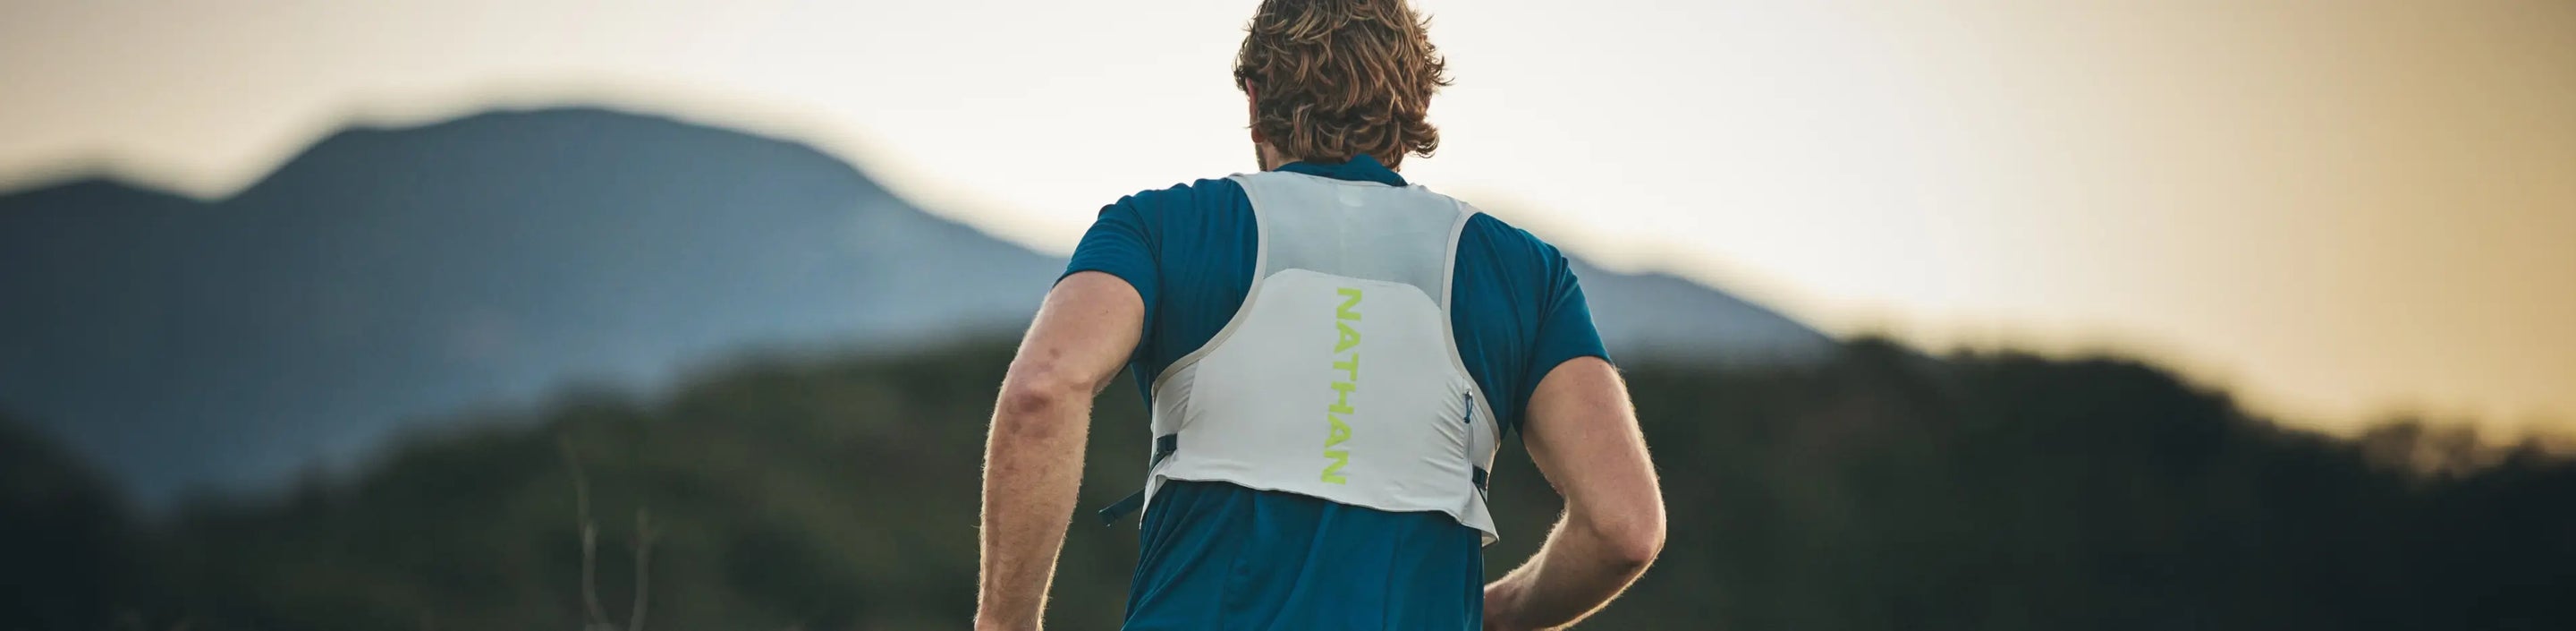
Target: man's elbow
{"points": [[1634, 539], [1638, 546], [1033, 390]]}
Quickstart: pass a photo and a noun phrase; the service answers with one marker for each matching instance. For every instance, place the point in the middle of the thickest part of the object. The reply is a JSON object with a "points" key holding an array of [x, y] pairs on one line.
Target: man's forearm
{"points": [[1032, 470], [1575, 572]]}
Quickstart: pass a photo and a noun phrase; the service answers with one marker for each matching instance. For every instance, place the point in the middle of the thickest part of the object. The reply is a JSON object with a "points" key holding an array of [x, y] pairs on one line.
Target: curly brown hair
{"points": [[1333, 79]]}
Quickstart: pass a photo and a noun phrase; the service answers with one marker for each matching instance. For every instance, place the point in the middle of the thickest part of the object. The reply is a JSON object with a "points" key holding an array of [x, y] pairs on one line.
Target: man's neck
{"points": [[1272, 161], [1269, 158]]}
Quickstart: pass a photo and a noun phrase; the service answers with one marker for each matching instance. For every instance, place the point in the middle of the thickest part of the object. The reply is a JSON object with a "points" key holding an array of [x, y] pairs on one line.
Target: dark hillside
{"points": [[1878, 490]]}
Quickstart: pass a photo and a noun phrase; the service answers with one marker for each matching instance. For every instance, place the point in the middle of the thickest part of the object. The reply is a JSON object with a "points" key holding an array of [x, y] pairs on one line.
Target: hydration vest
{"points": [[1338, 377]]}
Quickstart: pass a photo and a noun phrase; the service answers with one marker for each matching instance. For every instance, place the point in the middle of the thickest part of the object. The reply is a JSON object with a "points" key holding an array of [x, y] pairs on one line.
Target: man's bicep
{"points": [[1087, 328], [1582, 432]]}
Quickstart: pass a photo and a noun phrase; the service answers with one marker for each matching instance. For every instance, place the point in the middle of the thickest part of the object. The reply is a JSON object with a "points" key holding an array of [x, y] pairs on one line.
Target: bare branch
{"points": [[594, 617], [644, 535]]}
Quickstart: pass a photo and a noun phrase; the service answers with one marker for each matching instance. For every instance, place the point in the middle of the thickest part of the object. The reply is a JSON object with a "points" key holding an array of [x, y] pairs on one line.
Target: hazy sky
{"points": [[2340, 209]]}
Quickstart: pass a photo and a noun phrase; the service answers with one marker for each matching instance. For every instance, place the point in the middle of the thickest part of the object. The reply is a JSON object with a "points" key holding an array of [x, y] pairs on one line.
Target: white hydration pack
{"points": [[1338, 378]]}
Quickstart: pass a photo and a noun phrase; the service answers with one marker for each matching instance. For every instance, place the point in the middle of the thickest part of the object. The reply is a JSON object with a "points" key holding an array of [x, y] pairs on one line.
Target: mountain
{"points": [[393, 274], [1667, 317], [385, 277]]}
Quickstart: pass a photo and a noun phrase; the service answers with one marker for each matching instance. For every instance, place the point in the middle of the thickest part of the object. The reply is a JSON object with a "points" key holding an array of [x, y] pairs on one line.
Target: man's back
{"points": [[1333, 358], [1217, 554]]}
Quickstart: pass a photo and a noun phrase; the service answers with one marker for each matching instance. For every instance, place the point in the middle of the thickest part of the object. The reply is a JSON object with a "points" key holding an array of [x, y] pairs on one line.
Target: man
{"points": [[1332, 356]]}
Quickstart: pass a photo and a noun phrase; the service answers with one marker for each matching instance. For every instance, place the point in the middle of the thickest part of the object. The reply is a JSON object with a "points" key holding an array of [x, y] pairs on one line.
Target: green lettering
{"points": [[1340, 431]]}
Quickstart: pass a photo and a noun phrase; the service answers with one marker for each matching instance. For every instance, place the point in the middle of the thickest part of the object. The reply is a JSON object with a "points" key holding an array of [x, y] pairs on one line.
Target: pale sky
{"points": [[2339, 210]]}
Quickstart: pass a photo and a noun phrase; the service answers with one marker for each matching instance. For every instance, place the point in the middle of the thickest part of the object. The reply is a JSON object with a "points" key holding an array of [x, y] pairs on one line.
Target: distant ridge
{"points": [[386, 276]]}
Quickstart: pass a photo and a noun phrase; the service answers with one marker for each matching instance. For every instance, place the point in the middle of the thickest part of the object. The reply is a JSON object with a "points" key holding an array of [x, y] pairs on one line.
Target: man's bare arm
{"points": [[1582, 432], [1033, 457]]}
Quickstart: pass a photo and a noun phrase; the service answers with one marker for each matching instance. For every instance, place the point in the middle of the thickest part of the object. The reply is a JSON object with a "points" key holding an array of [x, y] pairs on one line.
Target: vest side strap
{"points": [[1164, 445]]}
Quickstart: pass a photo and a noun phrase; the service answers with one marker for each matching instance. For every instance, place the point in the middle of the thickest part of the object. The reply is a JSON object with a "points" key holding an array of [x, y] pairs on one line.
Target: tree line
{"points": [[1883, 489]]}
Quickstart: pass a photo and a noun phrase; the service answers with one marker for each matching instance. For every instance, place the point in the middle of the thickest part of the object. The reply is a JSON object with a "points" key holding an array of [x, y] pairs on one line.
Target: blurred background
{"points": [[1980, 314]]}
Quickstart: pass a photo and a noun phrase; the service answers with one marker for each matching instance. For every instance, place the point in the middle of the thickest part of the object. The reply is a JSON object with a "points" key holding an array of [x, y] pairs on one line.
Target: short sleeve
{"points": [[1519, 312], [1565, 324], [1120, 244]]}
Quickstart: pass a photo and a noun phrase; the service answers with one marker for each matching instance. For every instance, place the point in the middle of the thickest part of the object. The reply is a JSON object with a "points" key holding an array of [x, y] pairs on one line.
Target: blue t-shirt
{"points": [[1215, 555]]}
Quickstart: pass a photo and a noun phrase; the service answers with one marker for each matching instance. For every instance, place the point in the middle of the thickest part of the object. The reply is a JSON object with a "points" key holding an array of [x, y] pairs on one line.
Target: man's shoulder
{"points": [[1191, 198], [1489, 236]]}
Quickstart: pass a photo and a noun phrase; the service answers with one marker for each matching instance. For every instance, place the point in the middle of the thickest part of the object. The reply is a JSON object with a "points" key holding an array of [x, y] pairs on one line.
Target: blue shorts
{"points": [[1215, 555]]}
